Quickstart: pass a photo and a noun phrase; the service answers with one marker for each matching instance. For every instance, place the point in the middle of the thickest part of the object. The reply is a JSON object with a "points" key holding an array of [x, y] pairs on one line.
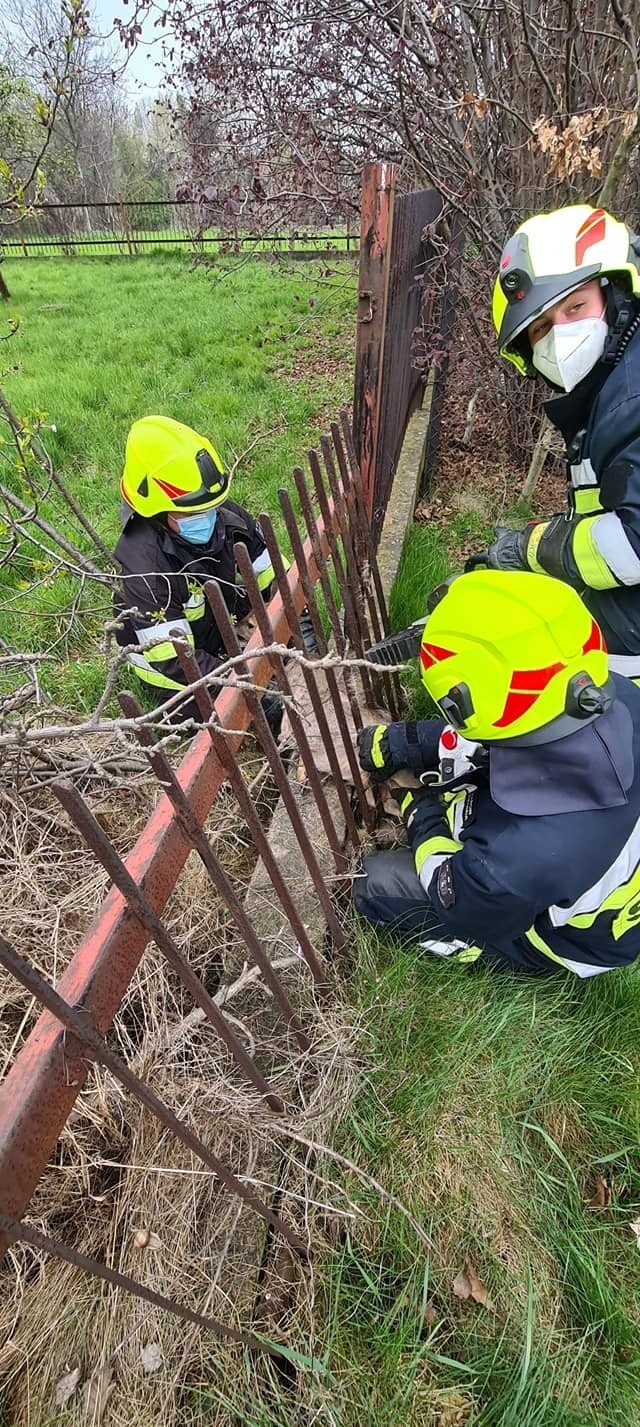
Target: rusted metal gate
{"points": [[394, 251], [333, 559]]}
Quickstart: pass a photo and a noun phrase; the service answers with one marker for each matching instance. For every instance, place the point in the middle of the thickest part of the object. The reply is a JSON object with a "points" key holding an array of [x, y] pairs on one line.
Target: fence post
{"points": [[125, 224], [376, 226]]}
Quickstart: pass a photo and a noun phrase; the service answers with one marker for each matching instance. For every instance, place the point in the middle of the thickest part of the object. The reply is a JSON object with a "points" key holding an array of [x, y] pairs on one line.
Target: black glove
{"points": [[509, 549], [374, 753]]}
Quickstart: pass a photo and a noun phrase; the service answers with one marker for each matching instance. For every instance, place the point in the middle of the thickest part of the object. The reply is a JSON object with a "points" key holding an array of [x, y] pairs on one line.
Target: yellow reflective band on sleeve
{"points": [[152, 676], [540, 945], [625, 900], [265, 578], [377, 756], [532, 546], [433, 846], [586, 500], [159, 653], [195, 606], [453, 807], [406, 802], [592, 566], [468, 954]]}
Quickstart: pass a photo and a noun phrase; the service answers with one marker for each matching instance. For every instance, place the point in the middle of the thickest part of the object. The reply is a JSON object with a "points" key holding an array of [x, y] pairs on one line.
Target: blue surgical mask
{"points": [[198, 529]]}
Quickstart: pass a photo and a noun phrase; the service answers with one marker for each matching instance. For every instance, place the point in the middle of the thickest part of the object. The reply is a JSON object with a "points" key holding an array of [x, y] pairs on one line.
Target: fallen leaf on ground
{"points": [[97, 1392], [601, 1196], [151, 1357], [431, 1314], [145, 1239], [468, 1285], [635, 1229], [66, 1387]]}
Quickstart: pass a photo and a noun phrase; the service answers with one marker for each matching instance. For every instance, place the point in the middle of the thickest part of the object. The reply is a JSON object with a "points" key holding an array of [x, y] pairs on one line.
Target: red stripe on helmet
{"points": [[595, 640], [433, 654], [591, 231], [526, 686], [171, 491], [534, 680], [516, 705]]}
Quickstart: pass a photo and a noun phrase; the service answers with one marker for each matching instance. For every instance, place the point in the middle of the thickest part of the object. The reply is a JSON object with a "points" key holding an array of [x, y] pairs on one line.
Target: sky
{"points": [[142, 77]]}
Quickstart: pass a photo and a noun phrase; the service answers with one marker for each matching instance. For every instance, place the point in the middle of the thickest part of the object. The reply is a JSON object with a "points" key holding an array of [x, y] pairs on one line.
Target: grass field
{"points": [[250, 354]]}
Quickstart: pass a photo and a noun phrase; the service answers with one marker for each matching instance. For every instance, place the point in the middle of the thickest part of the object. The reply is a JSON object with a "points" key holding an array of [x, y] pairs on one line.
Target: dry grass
{"points": [[116, 1170]]}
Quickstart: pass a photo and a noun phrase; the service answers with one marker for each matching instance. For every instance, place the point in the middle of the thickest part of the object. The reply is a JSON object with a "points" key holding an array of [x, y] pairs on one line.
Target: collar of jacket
{"points": [[571, 412], [592, 768]]}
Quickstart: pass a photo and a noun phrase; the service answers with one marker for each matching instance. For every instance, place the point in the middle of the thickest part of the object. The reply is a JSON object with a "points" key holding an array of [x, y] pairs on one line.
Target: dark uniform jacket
{"points": [[538, 865], [600, 422], [161, 589]]}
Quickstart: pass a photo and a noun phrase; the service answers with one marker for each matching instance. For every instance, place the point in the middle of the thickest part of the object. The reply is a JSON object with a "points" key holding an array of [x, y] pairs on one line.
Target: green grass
{"points": [[240, 352], [489, 1107]]}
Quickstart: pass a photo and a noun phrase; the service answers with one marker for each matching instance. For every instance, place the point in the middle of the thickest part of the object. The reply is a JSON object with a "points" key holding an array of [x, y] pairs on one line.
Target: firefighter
{"points": [[179, 530], [566, 306], [524, 831]]}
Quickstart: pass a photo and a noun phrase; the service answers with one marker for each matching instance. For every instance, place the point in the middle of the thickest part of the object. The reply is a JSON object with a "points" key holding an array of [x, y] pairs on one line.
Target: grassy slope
{"points": [[237, 352], [490, 1107]]}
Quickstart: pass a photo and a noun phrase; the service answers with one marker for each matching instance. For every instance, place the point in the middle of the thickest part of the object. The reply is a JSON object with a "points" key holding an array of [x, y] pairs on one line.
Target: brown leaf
{"points": [[97, 1392], [431, 1314], [145, 1239], [601, 1196], [468, 1285], [66, 1387]]}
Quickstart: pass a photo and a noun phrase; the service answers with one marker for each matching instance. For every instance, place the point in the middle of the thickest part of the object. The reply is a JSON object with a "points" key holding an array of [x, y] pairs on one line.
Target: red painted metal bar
{"points": [[90, 1047], [37, 1094]]}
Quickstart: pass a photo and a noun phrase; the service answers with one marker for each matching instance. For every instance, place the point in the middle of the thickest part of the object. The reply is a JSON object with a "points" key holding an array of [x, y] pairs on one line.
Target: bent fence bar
{"points": [[69, 1038]]}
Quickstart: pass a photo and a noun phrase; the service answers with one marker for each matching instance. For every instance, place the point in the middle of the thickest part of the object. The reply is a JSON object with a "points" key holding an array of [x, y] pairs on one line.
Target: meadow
{"points": [[256, 355]]}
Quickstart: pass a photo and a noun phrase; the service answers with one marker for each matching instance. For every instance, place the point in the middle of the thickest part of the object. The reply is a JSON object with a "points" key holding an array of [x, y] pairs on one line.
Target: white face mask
{"points": [[569, 350]]}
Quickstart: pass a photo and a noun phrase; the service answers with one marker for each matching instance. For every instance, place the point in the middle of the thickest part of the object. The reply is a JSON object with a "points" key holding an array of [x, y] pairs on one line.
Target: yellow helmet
{"points": [[550, 256], [169, 467], [511, 656]]}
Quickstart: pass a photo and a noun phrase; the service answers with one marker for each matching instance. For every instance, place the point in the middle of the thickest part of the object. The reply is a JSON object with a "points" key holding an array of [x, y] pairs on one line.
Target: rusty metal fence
{"points": [[334, 575]]}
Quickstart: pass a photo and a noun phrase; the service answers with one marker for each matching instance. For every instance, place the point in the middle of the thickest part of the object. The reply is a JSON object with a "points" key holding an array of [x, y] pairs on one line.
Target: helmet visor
{"points": [[537, 298]]}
